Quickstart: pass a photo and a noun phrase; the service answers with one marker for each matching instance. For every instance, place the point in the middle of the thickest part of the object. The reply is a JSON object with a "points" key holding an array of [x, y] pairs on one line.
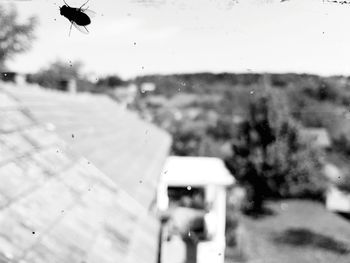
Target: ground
{"points": [[293, 231]]}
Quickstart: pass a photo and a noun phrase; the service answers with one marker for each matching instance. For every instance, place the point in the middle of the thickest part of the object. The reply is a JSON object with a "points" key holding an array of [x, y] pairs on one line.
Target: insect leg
{"points": [[84, 4], [66, 3], [70, 29], [86, 29]]}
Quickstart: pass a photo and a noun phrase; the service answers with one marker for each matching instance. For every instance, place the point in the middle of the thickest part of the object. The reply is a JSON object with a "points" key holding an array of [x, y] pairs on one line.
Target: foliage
{"points": [[60, 72], [15, 37], [223, 130], [200, 83], [111, 81], [186, 142], [187, 139], [342, 144], [268, 143], [268, 156]]}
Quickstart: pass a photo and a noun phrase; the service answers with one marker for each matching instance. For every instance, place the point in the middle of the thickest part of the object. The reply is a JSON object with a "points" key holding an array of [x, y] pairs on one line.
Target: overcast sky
{"points": [[134, 37]]}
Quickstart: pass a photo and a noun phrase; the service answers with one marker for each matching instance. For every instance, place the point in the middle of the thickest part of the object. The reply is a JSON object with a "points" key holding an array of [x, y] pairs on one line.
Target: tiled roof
{"points": [[128, 150], [56, 206]]}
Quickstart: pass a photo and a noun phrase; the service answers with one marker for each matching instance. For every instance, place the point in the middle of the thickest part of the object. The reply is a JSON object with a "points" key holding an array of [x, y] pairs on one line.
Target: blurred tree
{"points": [[15, 37], [110, 81], [187, 140], [268, 156], [59, 72], [342, 143], [60, 69], [223, 130]]}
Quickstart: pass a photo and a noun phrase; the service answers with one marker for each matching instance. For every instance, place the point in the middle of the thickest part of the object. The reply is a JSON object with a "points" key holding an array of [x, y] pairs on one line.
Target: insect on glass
{"points": [[79, 17]]}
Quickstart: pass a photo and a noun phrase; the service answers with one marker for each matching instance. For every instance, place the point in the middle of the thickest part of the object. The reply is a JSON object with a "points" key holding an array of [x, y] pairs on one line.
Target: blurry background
{"points": [[260, 86]]}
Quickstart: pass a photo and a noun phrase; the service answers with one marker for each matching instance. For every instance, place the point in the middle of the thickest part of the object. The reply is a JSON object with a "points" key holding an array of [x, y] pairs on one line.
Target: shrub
{"points": [[269, 157]]}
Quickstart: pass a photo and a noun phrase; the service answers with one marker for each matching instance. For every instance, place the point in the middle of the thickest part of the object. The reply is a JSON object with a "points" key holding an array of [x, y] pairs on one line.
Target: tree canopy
{"points": [[269, 156], [59, 71], [15, 37]]}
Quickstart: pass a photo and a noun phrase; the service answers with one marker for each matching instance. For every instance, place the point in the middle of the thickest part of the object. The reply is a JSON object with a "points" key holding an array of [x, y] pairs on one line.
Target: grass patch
{"points": [[298, 231]]}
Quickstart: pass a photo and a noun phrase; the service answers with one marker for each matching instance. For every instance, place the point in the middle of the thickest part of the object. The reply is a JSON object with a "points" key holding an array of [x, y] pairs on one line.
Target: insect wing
{"points": [[82, 29], [89, 13]]}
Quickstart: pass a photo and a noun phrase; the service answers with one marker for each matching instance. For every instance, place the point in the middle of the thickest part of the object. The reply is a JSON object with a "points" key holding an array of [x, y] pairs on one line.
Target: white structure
{"points": [[337, 200], [210, 176], [147, 87]]}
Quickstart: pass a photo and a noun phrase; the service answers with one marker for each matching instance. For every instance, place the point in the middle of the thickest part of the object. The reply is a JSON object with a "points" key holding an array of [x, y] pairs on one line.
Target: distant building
{"points": [[8, 76], [337, 200], [78, 176], [317, 136], [13, 77], [199, 183], [147, 87], [69, 85]]}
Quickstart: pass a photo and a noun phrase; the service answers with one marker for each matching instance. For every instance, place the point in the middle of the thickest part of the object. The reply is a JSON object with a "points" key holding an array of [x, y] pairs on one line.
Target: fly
{"points": [[79, 17]]}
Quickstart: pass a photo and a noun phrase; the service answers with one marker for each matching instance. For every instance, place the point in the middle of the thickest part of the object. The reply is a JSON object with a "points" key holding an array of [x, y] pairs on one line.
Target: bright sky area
{"points": [[137, 37]]}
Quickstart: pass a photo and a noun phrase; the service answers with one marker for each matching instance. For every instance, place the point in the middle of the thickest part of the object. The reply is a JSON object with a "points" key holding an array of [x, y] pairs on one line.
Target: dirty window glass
{"points": [[168, 131]]}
